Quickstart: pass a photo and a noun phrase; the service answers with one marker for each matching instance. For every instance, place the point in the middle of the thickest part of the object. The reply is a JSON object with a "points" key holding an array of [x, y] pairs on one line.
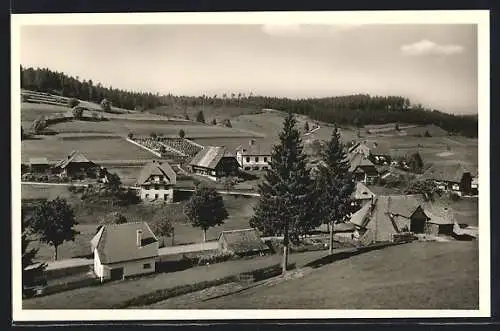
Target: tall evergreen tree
{"points": [[334, 185], [285, 203]]}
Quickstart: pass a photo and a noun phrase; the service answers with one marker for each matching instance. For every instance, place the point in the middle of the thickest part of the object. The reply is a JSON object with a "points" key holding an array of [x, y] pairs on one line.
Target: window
{"points": [[248, 159], [265, 158], [146, 266], [255, 168], [165, 197], [256, 159], [247, 168], [264, 168], [147, 195], [157, 187], [156, 196]]}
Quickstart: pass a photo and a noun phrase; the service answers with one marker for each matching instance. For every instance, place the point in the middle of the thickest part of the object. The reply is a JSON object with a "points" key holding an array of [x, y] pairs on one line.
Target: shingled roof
{"points": [[118, 242], [243, 241], [439, 213], [375, 147], [448, 172], [73, 157], [157, 168], [209, 157], [362, 192], [359, 160], [255, 148]]}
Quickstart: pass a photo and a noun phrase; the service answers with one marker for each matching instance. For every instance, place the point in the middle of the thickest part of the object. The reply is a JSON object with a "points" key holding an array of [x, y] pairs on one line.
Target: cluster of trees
{"points": [[292, 200], [45, 80], [357, 110]]}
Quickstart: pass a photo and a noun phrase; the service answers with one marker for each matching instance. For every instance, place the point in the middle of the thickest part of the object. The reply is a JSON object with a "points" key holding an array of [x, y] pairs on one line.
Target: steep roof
{"points": [[439, 213], [38, 160], [387, 214], [375, 147], [118, 242], [358, 160], [209, 157], [157, 168], [255, 148], [362, 192], [73, 157], [243, 241], [447, 172]]}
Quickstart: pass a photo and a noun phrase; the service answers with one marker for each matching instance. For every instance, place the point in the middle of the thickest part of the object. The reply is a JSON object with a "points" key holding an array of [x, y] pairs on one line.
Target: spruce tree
{"points": [[285, 203], [334, 185]]}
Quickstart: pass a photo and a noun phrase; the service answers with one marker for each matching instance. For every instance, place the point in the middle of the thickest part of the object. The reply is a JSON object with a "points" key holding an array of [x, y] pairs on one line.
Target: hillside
{"points": [[356, 110]]}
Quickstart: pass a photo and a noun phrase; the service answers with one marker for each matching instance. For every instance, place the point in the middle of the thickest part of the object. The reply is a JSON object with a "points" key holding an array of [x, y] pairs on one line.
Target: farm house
{"points": [[75, 164], [124, 250], [242, 242], [378, 153], [361, 195], [452, 177], [156, 181], [390, 215], [214, 162], [254, 156], [440, 220], [363, 170]]}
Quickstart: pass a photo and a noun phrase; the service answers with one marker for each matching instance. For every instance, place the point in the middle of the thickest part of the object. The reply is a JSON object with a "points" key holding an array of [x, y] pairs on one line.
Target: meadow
{"points": [[419, 275]]}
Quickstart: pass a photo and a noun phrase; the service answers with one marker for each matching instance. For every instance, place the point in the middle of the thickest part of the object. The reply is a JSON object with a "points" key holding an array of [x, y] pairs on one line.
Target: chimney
{"points": [[139, 238]]}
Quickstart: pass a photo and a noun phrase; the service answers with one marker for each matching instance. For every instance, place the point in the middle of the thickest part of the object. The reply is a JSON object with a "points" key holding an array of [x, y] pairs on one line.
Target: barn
{"points": [[362, 169], [452, 177], [242, 242], [441, 220], [75, 164], [214, 163]]}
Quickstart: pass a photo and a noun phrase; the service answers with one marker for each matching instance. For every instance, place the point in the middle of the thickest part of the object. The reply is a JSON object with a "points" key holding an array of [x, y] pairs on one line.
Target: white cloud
{"points": [[427, 47], [305, 29]]}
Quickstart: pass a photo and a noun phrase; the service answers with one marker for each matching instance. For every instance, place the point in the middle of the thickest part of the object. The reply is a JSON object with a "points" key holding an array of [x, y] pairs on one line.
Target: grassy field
{"points": [[209, 112], [94, 149], [414, 276], [110, 294], [31, 111]]}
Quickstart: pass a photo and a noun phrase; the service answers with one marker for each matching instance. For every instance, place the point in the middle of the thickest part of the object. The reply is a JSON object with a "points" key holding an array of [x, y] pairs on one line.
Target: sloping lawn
{"points": [[107, 295], [414, 276]]}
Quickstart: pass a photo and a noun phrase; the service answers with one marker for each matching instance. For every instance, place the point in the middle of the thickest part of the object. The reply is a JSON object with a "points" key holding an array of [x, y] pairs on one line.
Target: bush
{"points": [[214, 258], [454, 196], [130, 135], [73, 102]]}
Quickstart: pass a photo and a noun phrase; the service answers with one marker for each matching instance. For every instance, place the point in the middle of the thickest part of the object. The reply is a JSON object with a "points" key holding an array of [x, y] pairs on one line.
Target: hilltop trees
{"points": [[205, 209], [286, 199], [53, 221], [334, 184], [182, 134]]}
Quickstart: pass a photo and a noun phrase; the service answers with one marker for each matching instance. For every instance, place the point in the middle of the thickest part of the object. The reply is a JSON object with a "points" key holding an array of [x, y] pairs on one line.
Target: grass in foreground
{"points": [[414, 276]]}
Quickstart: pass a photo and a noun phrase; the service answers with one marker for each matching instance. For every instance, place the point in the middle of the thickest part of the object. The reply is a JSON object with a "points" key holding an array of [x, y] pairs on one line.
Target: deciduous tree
{"points": [[200, 117], [182, 134], [205, 209], [54, 221]]}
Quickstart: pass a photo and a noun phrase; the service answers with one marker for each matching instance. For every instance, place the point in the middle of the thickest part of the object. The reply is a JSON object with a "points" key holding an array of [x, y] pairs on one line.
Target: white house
{"points": [[156, 181], [254, 156], [124, 250]]}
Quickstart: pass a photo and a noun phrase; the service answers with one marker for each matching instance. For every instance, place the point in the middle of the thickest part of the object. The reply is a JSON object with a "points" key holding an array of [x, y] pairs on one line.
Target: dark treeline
{"points": [[356, 110]]}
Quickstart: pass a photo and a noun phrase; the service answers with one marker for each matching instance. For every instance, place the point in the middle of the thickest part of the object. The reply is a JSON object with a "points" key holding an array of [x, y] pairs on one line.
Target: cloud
{"points": [[427, 47], [305, 29]]}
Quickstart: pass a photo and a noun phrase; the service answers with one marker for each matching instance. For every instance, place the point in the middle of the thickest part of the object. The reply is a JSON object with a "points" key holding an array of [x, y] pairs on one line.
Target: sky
{"points": [[435, 65]]}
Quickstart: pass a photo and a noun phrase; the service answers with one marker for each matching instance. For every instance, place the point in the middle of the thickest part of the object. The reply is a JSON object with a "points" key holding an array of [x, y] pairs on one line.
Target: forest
{"points": [[356, 110]]}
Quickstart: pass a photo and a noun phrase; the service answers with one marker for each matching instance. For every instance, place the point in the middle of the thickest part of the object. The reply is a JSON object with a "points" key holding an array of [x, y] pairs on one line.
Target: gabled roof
{"points": [[439, 213], [375, 147], [38, 160], [73, 157], [118, 242], [255, 148], [362, 192], [447, 172], [243, 241], [359, 160], [209, 157], [157, 168], [387, 214]]}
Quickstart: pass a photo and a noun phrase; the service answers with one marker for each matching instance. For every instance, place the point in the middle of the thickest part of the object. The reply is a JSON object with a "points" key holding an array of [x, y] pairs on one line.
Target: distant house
{"points": [[214, 162], [156, 181], [378, 153], [39, 164], [254, 156], [452, 177], [362, 169], [361, 195], [474, 185], [390, 215], [242, 242], [124, 250], [74, 164]]}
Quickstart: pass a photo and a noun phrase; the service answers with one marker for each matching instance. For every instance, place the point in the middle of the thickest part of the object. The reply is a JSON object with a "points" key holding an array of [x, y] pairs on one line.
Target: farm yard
{"points": [[427, 275]]}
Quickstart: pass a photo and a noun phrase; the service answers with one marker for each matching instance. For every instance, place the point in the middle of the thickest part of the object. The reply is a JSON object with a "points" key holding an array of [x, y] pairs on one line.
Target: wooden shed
{"points": [[242, 242]]}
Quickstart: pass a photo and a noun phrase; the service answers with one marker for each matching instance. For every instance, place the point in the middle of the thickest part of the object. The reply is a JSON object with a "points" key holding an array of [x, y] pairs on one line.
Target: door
{"points": [[116, 273]]}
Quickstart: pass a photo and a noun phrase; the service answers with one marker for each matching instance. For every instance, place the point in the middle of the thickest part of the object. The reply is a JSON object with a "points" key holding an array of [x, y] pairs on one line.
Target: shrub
{"points": [[214, 258], [130, 135], [73, 102]]}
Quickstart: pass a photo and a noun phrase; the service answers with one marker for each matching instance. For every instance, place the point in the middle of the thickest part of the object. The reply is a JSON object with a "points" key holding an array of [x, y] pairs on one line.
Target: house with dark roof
{"points": [[74, 164], [39, 164], [254, 156], [214, 162], [242, 242], [362, 169], [156, 182], [124, 250], [390, 215], [377, 152], [456, 178], [361, 196]]}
